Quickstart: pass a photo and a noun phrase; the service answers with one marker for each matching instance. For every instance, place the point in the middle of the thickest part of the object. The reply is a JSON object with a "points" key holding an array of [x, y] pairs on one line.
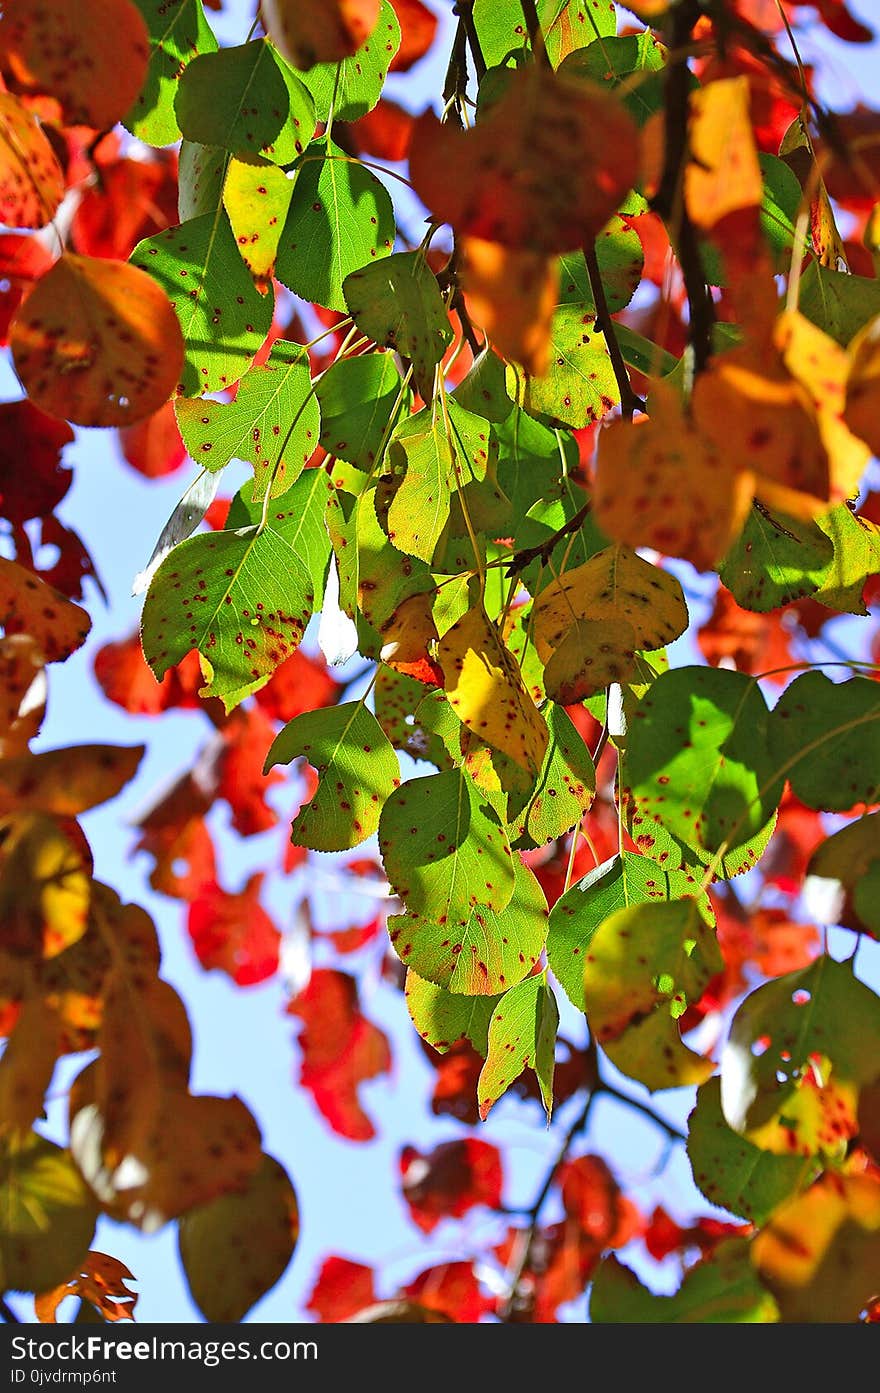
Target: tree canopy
{"points": [[546, 603]]}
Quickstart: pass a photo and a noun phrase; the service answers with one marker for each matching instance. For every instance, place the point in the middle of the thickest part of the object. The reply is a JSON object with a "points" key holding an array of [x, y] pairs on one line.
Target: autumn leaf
{"points": [[97, 342], [341, 1289], [102, 1282], [234, 933], [29, 606], [723, 175], [31, 181], [312, 31], [450, 1180]]}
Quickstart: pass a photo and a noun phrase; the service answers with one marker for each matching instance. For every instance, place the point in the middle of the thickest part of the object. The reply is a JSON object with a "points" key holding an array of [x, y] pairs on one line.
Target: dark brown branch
{"points": [[607, 1090], [465, 11], [455, 84], [630, 403], [535, 33], [544, 550], [669, 198]]}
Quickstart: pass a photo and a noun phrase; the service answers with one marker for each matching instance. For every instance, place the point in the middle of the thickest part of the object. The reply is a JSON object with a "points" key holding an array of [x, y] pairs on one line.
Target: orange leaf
{"points": [[544, 169], [69, 781], [27, 1065], [97, 342], [102, 1282], [863, 386], [31, 181], [29, 606], [452, 1289], [723, 175], [511, 294], [417, 27], [45, 885], [153, 446], [22, 261], [134, 199], [384, 132], [450, 1180], [91, 55], [307, 32]]}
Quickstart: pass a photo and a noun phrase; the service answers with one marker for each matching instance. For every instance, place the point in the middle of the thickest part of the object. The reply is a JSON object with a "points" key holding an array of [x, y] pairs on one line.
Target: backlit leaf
{"points": [[511, 179], [800, 1048], [102, 1282], [825, 737], [340, 218], [723, 1289], [699, 760], [454, 1178], [103, 50], [315, 31], [351, 87], [522, 1034], [442, 1017], [723, 175], [272, 424], [563, 790], [841, 305], [29, 606], [48, 1214], [31, 181], [731, 1171], [239, 98], [624, 880], [176, 35], [397, 303], [486, 690], [358, 770], [237, 1247], [96, 342], [256, 198], [45, 885], [614, 584], [223, 317], [511, 294], [245, 597], [234, 933], [591, 655], [356, 397], [566, 24], [68, 781]]}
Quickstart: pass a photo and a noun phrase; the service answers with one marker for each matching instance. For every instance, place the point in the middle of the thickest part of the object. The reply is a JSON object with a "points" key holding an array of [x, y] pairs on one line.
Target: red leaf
{"points": [[384, 132], [74, 562], [184, 858], [134, 199], [354, 938], [122, 673], [301, 683], [448, 1181], [153, 446], [27, 434], [455, 1088], [341, 1289], [417, 27], [798, 832], [234, 933], [22, 261], [217, 513], [754, 642], [664, 1236], [247, 735], [340, 1048], [561, 1264], [451, 1288], [836, 17], [592, 1197]]}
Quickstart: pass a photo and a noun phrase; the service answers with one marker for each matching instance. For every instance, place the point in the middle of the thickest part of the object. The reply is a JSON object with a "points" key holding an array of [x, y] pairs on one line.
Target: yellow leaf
{"points": [[45, 886], [31, 181], [820, 1253], [614, 584], [486, 690], [257, 197], [822, 368], [97, 342], [593, 653], [511, 294], [661, 484], [861, 412], [723, 175]]}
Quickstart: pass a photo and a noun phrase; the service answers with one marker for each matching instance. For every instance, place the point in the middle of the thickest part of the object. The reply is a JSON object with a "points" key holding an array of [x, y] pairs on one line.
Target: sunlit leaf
{"points": [[240, 99], [723, 175], [256, 198], [825, 737], [522, 1034], [442, 1017], [48, 1214], [849, 862], [454, 1178], [31, 181], [397, 303], [237, 1247], [358, 770], [68, 781], [102, 1282], [352, 86], [234, 933], [313, 31], [176, 35], [615, 584], [29, 606], [723, 1289], [566, 24], [97, 342], [356, 397], [563, 790]]}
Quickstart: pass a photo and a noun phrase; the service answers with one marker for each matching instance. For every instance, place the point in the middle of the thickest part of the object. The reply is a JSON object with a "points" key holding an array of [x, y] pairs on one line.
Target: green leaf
{"points": [[723, 1289], [476, 952], [304, 532], [238, 98], [645, 965], [655, 841], [773, 564], [483, 390], [178, 33], [733, 1173], [433, 455], [621, 263], [635, 61], [201, 174], [400, 711], [223, 317], [800, 1050], [564, 789], [698, 757], [352, 87], [579, 387], [620, 882], [839, 303], [851, 860], [825, 737], [357, 770], [856, 556], [779, 207], [643, 354], [49, 1214], [442, 1017], [340, 218], [522, 1035], [242, 598], [566, 25], [273, 424], [234, 1249], [443, 849], [357, 397], [397, 303]]}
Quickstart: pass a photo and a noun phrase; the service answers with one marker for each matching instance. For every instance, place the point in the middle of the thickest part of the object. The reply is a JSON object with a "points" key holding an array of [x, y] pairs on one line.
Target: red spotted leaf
{"points": [[31, 181], [340, 1050], [234, 933], [22, 261], [450, 1180], [27, 434], [29, 606]]}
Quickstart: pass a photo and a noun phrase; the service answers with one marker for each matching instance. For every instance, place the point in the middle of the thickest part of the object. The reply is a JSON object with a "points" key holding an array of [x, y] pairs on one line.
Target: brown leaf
{"points": [[102, 1282], [29, 606], [543, 170], [22, 693], [27, 1065], [67, 782], [97, 342]]}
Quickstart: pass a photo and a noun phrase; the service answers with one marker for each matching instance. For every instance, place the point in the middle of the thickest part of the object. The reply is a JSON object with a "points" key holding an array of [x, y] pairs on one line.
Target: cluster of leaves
{"points": [[433, 470]]}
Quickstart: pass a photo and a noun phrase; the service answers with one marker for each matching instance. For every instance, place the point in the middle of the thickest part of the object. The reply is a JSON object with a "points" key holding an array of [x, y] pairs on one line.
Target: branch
{"points": [[465, 11], [527, 555], [630, 403], [535, 33], [7, 1313], [669, 199], [608, 1090]]}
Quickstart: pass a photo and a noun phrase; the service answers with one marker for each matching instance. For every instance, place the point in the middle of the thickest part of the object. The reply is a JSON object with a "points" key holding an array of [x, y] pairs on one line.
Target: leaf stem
{"points": [[630, 403], [535, 32], [544, 550]]}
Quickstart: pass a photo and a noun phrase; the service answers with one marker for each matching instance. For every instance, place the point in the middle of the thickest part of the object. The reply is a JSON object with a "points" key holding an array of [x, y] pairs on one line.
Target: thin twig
{"points": [[607, 1090], [535, 32], [465, 11], [544, 550], [630, 403]]}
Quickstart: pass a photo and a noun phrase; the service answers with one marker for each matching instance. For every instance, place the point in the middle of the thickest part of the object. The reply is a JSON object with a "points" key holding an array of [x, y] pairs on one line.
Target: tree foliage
{"points": [[583, 472]]}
